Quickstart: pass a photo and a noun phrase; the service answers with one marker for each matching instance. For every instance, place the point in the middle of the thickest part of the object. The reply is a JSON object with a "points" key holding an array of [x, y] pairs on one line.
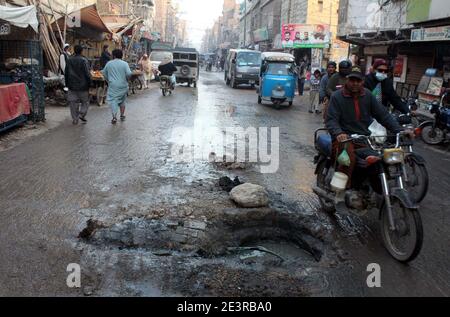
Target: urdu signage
{"points": [[441, 33]]}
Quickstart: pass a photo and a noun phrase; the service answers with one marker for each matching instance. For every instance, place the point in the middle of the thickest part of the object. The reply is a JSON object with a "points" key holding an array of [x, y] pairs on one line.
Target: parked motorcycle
{"points": [[415, 173], [437, 131], [135, 82], [400, 221], [166, 85]]}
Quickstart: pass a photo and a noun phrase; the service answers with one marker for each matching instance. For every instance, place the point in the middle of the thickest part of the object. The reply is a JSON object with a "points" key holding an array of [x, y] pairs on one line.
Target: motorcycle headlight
{"points": [[239, 76], [394, 156]]}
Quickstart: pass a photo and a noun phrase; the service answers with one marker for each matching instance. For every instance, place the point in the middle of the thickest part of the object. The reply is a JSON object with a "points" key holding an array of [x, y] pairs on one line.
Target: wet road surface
{"points": [[53, 183]]}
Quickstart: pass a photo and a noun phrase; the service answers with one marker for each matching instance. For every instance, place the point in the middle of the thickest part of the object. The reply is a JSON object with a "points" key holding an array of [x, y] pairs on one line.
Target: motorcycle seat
{"points": [[324, 144]]}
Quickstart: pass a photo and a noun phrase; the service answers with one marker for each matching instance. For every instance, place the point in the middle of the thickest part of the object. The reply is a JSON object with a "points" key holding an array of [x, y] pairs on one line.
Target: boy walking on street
{"points": [[314, 93]]}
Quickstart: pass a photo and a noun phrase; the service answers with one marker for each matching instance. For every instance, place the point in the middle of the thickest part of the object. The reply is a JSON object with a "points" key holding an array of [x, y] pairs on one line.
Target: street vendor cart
{"points": [[135, 81], [99, 88]]}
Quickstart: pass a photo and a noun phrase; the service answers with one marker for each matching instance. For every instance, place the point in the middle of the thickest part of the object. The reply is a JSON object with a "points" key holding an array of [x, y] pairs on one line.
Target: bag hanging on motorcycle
{"points": [[378, 131], [344, 158]]}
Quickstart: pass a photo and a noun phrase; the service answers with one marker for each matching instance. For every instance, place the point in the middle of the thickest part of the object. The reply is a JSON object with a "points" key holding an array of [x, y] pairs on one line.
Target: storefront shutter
{"points": [[417, 65]]}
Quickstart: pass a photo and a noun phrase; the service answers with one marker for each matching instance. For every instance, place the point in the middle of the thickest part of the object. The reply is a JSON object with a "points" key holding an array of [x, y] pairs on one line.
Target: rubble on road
{"points": [[227, 161], [227, 184], [250, 196]]}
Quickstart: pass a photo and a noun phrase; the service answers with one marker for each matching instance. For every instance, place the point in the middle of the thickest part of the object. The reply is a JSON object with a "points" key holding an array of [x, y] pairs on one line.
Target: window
{"points": [[320, 2], [249, 59], [280, 69]]}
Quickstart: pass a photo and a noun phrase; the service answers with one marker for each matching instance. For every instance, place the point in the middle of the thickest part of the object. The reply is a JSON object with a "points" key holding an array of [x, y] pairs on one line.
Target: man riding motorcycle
{"points": [[382, 87], [168, 68], [351, 111]]}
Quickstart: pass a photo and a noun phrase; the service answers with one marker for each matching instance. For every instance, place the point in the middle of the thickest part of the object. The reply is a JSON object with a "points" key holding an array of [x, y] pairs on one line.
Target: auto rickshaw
{"points": [[277, 78]]}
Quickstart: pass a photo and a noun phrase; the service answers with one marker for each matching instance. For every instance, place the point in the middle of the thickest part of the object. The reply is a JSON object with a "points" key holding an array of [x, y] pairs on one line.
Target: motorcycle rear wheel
{"points": [[405, 243], [432, 136]]}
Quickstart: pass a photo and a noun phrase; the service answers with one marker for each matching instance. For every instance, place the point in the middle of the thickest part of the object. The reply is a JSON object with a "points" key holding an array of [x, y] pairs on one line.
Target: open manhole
{"points": [[219, 249], [231, 230]]}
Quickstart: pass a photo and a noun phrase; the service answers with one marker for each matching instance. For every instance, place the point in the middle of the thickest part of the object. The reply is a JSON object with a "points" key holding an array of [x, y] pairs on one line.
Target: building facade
{"points": [[413, 35], [224, 34]]}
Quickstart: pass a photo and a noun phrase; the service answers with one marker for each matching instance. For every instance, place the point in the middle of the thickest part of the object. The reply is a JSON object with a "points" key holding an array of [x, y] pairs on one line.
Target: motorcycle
{"points": [[415, 173], [437, 131], [135, 82], [400, 221], [166, 85], [209, 66]]}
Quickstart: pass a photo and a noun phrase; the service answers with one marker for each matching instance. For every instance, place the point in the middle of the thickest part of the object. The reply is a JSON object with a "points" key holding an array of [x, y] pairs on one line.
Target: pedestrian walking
{"points": [[315, 92], [117, 73], [301, 72], [105, 57], [78, 81], [146, 67], [63, 58]]}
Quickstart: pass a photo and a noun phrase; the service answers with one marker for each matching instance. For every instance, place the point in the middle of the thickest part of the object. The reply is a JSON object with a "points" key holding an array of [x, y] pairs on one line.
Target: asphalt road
{"points": [[48, 182]]}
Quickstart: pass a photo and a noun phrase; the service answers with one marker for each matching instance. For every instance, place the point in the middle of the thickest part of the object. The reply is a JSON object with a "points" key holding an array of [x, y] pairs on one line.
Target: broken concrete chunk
{"points": [[250, 196], [227, 184], [197, 225]]}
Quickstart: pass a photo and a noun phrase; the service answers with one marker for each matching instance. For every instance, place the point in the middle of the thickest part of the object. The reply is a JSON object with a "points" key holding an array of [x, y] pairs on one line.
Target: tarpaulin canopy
{"points": [[21, 17], [86, 16]]}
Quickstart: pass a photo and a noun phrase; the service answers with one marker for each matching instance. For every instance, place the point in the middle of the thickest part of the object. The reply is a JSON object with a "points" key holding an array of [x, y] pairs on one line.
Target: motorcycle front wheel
{"points": [[432, 136], [164, 92], [418, 179], [405, 242]]}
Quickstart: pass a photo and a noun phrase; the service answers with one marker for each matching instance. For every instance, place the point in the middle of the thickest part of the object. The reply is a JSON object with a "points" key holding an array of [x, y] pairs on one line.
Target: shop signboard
{"points": [[261, 35], [441, 33], [305, 35]]}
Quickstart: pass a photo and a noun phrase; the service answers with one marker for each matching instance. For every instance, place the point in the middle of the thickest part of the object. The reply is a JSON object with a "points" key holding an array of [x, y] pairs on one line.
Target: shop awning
{"points": [[21, 17], [87, 16], [387, 37]]}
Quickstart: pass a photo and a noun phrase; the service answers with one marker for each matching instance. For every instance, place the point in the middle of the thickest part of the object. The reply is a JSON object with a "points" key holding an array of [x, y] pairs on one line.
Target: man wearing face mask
{"points": [[382, 87]]}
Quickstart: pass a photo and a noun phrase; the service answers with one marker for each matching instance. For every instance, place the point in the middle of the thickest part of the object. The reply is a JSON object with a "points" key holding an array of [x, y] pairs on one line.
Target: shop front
{"points": [[21, 67]]}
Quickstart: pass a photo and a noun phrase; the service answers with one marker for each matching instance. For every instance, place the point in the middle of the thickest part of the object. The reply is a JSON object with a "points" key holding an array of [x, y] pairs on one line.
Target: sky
{"points": [[200, 15]]}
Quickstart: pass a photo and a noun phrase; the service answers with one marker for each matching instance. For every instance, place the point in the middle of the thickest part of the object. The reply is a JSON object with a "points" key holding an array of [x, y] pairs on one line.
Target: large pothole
{"points": [[250, 248]]}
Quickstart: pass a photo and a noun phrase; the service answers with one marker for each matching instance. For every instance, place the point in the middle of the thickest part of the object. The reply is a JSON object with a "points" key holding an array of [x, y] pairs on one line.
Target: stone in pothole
{"points": [[250, 196]]}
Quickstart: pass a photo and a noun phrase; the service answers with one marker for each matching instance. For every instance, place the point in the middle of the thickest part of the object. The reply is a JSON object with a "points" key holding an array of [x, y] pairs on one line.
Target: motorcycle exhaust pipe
{"points": [[323, 194]]}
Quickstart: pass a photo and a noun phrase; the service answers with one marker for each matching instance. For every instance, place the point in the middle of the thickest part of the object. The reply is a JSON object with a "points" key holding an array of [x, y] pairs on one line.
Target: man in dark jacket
{"points": [[78, 80], [338, 80], [168, 68], [106, 57], [382, 87], [351, 111]]}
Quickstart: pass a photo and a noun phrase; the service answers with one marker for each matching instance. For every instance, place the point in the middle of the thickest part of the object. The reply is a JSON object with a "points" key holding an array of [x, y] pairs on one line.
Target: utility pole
{"points": [[289, 12], [245, 22]]}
